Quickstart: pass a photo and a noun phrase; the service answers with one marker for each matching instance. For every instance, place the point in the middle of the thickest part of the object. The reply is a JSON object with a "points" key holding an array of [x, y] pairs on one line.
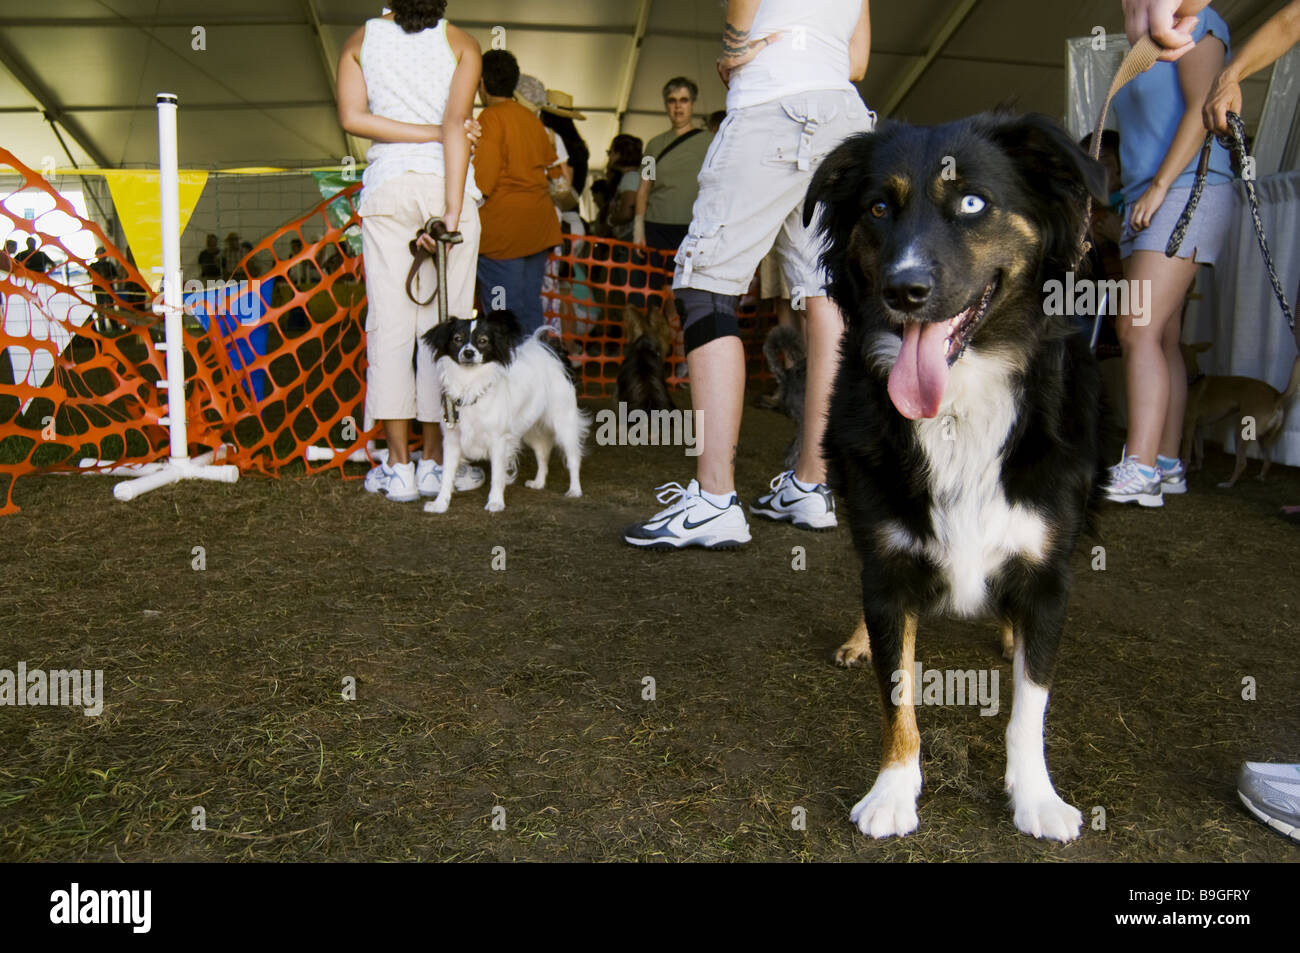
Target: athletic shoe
{"points": [[788, 502], [396, 482], [1271, 792], [1128, 484], [428, 477], [690, 520], [1174, 480]]}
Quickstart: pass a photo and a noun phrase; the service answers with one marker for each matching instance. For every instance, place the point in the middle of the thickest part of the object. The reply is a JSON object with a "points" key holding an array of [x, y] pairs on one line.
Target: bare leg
{"points": [[1173, 432], [398, 435], [718, 395], [825, 327], [1146, 368]]}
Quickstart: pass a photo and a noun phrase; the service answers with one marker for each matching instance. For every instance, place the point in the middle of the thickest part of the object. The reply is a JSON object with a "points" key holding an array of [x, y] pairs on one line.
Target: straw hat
{"points": [[531, 92], [560, 104]]}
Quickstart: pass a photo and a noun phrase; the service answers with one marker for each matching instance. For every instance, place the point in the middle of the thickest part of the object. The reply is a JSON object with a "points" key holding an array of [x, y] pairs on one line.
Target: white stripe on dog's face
{"points": [[469, 354]]}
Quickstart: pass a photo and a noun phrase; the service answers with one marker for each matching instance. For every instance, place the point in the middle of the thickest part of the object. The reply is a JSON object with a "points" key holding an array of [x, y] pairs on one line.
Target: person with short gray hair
{"points": [[670, 184]]}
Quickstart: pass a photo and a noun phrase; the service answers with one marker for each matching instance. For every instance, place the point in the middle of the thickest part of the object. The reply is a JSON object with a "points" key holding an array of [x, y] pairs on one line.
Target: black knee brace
{"points": [[706, 316]]}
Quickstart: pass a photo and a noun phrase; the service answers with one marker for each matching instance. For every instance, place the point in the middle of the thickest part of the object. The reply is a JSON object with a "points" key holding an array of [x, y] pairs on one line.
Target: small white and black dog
{"points": [[507, 390]]}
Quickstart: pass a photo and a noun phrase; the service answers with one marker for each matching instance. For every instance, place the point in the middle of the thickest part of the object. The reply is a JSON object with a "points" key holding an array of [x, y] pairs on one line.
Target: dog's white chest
{"points": [[976, 529]]}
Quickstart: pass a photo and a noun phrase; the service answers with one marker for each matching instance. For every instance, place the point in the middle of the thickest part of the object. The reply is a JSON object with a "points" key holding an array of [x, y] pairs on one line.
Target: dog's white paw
{"points": [[534, 484], [437, 506], [1047, 816], [573, 492], [1225, 485], [889, 809], [495, 506]]}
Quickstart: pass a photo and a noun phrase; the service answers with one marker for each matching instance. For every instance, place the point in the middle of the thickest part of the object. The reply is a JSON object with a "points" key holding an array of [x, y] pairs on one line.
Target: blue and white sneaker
{"points": [[690, 520], [1271, 792], [789, 502], [1173, 480], [395, 482], [428, 476], [1129, 484]]}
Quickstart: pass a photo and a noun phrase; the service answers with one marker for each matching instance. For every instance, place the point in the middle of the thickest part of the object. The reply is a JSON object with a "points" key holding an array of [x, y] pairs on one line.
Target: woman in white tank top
{"points": [[407, 82]]}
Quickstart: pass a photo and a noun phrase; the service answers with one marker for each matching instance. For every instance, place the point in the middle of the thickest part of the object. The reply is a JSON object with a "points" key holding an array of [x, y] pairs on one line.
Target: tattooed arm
{"points": [[737, 46]]}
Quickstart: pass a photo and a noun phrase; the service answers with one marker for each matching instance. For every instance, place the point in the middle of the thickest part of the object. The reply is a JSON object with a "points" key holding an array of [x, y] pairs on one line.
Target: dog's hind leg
{"points": [[1038, 809], [857, 649], [1008, 640], [889, 809], [571, 442], [540, 443]]}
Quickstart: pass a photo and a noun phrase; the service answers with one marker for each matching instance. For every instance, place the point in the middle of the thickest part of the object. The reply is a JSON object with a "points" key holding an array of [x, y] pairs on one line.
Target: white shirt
{"points": [[811, 54], [408, 78]]}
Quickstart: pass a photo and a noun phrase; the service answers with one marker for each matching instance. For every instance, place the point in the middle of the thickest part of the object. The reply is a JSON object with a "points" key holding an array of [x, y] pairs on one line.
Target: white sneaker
{"points": [[401, 486], [1128, 484], [807, 509], [1173, 480], [690, 520], [428, 477]]}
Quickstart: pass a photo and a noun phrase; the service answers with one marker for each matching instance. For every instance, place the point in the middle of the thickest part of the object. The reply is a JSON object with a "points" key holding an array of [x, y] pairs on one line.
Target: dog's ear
{"points": [[439, 336], [1062, 175], [834, 181], [506, 321]]}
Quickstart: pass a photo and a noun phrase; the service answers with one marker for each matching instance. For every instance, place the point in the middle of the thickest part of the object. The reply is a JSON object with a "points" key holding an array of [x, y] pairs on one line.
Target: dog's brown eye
{"points": [[880, 210]]}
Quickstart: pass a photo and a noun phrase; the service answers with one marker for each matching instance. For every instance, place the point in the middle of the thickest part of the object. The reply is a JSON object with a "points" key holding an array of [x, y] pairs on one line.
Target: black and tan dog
{"points": [[963, 435], [643, 375]]}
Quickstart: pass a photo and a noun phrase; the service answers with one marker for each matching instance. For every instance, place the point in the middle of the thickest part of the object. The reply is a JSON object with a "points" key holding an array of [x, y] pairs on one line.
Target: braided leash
{"points": [[1236, 144]]}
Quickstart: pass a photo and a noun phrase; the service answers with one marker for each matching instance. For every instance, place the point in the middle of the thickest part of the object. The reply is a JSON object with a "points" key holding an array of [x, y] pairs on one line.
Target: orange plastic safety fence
{"points": [[590, 282], [275, 358]]}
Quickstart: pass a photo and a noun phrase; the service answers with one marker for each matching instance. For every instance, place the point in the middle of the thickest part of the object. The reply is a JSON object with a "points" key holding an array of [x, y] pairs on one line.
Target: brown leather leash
{"points": [[443, 237]]}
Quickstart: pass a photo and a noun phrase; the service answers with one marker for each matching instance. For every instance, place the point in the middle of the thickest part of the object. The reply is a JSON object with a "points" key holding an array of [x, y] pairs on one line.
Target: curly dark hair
{"points": [[500, 72], [416, 15]]}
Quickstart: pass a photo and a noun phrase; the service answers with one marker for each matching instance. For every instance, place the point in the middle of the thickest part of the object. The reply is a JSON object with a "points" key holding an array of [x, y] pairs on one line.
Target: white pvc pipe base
{"points": [[173, 471]]}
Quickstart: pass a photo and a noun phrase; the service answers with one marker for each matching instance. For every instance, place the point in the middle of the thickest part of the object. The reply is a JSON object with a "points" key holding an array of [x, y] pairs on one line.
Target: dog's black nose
{"points": [[907, 289]]}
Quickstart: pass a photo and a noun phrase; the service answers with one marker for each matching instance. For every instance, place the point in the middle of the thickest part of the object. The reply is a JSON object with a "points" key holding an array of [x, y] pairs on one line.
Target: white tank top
{"points": [[812, 53], [408, 78]]}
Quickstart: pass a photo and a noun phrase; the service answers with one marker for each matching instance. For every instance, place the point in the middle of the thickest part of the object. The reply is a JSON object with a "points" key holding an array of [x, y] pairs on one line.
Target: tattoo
{"points": [[734, 42]]}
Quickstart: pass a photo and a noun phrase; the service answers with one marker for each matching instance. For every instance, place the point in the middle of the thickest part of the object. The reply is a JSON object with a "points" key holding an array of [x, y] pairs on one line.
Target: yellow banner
{"points": [[135, 194]]}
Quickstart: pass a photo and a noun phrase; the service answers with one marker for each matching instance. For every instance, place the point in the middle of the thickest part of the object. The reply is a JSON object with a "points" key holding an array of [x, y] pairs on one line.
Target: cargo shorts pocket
{"points": [[698, 250]]}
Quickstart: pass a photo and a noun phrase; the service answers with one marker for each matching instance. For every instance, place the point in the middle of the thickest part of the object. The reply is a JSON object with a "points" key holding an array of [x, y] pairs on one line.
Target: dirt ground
{"points": [[522, 688]]}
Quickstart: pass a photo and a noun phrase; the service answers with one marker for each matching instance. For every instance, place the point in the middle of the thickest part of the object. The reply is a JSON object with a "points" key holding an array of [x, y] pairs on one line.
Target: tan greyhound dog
{"points": [[1250, 403]]}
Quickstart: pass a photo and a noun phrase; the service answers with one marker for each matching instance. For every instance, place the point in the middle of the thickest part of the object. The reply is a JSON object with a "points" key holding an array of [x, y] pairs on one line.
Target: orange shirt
{"points": [[517, 216]]}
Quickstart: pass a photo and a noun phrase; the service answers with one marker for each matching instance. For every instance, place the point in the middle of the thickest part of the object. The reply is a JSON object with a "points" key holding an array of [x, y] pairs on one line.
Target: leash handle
{"points": [[1137, 61]]}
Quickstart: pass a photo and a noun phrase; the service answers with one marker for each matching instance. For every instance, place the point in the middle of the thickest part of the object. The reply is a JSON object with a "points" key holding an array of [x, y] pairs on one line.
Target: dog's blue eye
{"points": [[972, 205]]}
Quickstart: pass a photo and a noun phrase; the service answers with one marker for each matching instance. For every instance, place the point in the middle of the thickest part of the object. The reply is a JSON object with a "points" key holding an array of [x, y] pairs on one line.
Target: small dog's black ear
{"points": [[506, 321], [833, 181], [439, 336], [1054, 166]]}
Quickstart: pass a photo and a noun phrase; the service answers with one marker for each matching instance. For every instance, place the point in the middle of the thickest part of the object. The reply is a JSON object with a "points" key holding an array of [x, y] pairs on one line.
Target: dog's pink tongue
{"points": [[920, 375]]}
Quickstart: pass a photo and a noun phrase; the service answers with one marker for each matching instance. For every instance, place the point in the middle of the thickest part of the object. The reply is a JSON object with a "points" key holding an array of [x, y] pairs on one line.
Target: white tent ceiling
{"points": [[261, 92]]}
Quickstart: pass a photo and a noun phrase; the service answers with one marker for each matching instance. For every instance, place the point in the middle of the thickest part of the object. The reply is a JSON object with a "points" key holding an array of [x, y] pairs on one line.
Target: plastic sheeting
{"points": [[1088, 72]]}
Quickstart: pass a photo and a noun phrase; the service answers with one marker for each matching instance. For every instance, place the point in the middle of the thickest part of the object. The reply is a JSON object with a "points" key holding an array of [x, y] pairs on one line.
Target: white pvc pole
{"points": [[179, 466], [173, 328]]}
